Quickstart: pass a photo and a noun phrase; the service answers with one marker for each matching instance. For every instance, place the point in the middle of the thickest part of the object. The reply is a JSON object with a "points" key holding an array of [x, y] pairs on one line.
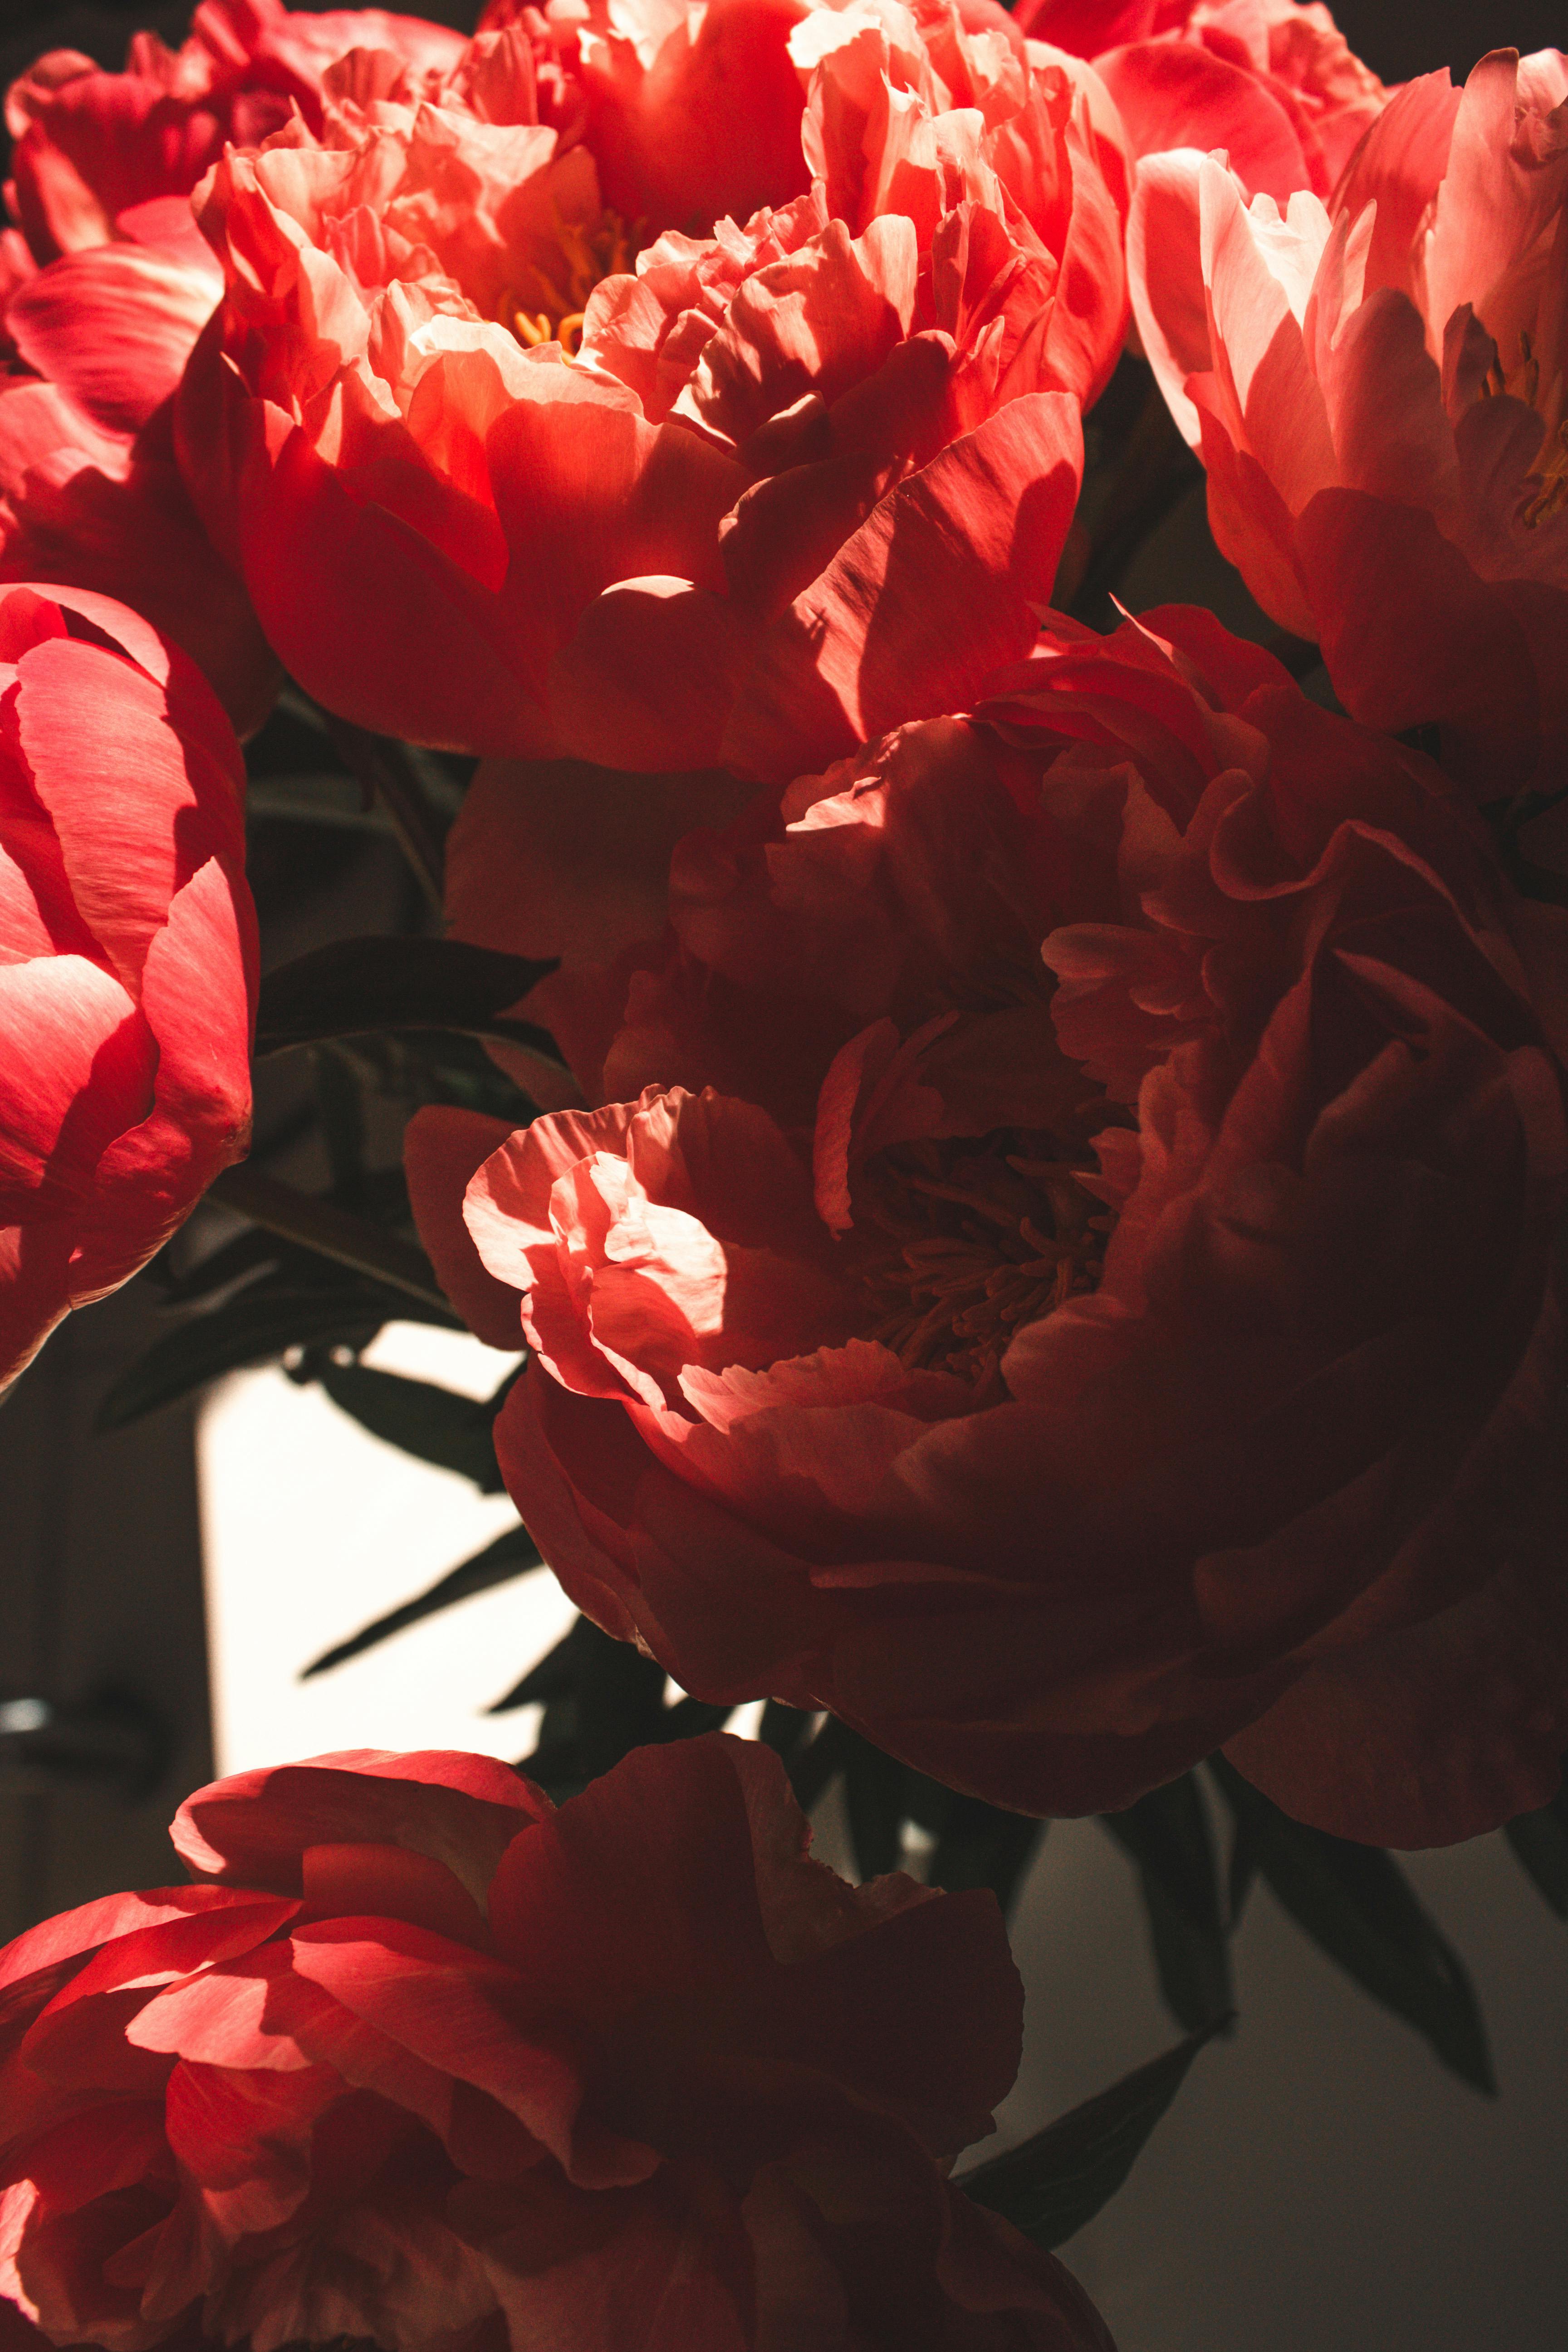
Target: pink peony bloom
{"points": [[739, 520], [422, 2061], [1378, 395], [1065, 1269], [1274, 82], [89, 491], [128, 964], [92, 144]]}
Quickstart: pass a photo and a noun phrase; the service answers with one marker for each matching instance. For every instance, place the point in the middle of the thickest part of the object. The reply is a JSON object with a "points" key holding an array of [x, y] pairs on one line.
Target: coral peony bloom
{"points": [[1274, 82], [740, 519], [1378, 397], [89, 491], [127, 953], [422, 2061], [1064, 1278], [89, 146]]}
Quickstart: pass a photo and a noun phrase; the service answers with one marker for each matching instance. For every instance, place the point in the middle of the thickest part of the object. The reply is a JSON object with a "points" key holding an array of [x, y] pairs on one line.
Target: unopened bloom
{"points": [[127, 953], [1063, 1275], [1378, 397], [423, 2061]]}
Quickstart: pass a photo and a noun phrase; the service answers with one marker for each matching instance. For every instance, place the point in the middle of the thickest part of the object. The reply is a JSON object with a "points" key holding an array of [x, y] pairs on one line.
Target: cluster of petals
{"points": [[419, 2060], [1064, 1273], [127, 952], [733, 524], [1377, 389], [105, 286], [91, 493], [1273, 82], [92, 144]]}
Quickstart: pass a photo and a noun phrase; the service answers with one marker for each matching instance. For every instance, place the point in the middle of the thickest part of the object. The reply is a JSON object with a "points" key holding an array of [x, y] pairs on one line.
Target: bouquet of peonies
{"points": [[1018, 1134]]}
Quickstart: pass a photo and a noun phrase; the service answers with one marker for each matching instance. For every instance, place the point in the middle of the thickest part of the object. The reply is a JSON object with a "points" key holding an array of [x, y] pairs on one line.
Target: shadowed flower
{"points": [[1377, 392], [422, 2061], [1064, 1274]]}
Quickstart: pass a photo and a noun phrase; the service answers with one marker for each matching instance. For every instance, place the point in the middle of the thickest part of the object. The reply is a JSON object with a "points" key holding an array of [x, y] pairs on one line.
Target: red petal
{"points": [[255, 1827]]}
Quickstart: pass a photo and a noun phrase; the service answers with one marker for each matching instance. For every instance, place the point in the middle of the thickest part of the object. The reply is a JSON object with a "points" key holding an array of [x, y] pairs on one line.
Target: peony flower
{"points": [[1274, 82], [127, 952], [739, 520], [100, 305], [1063, 1275], [422, 2061], [1378, 397], [90, 145], [91, 494]]}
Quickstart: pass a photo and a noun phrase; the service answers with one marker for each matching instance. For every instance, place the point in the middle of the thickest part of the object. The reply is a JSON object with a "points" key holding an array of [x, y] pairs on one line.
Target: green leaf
{"points": [[874, 1793], [1356, 1905], [434, 1424], [813, 1765], [359, 985], [513, 1554], [264, 1321], [1541, 1842], [1067, 2173], [979, 1846], [601, 1699], [340, 1113], [1166, 1834], [783, 1728]]}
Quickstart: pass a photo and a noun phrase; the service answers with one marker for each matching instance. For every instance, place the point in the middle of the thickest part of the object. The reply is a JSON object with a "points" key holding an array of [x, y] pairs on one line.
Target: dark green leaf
{"points": [[981, 1846], [262, 1322], [554, 1676], [1356, 1904], [783, 1728], [873, 1801], [1067, 2173], [358, 985], [434, 1424], [340, 1109], [1541, 1842], [601, 1699], [1166, 1834], [689, 1718], [813, 1766], [511, 1554]]}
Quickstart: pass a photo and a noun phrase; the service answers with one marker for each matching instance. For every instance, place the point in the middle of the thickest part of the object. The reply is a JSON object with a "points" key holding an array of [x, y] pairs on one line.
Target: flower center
{"points": [[551, 294], [970, 1240], [1522, 381]]}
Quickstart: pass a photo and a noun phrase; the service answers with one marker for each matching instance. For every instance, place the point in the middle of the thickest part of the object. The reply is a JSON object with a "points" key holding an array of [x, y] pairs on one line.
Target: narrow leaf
{"points": [[873, 1801], [1541, 1842], [513, 1554], [1355, 1903], [358, 985], [1166, 1834], [262, 1322], [434, 1424], [980, 1846], [1067, 2173]]}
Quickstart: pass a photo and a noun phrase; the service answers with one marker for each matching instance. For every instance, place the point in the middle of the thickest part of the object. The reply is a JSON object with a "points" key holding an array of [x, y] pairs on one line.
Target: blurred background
{"points": [[1321, 2184]]}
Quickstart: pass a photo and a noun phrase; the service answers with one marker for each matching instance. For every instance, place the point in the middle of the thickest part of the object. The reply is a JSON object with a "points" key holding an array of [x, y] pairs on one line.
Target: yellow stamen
{"points": [[1522, 381], [548, 303]]}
